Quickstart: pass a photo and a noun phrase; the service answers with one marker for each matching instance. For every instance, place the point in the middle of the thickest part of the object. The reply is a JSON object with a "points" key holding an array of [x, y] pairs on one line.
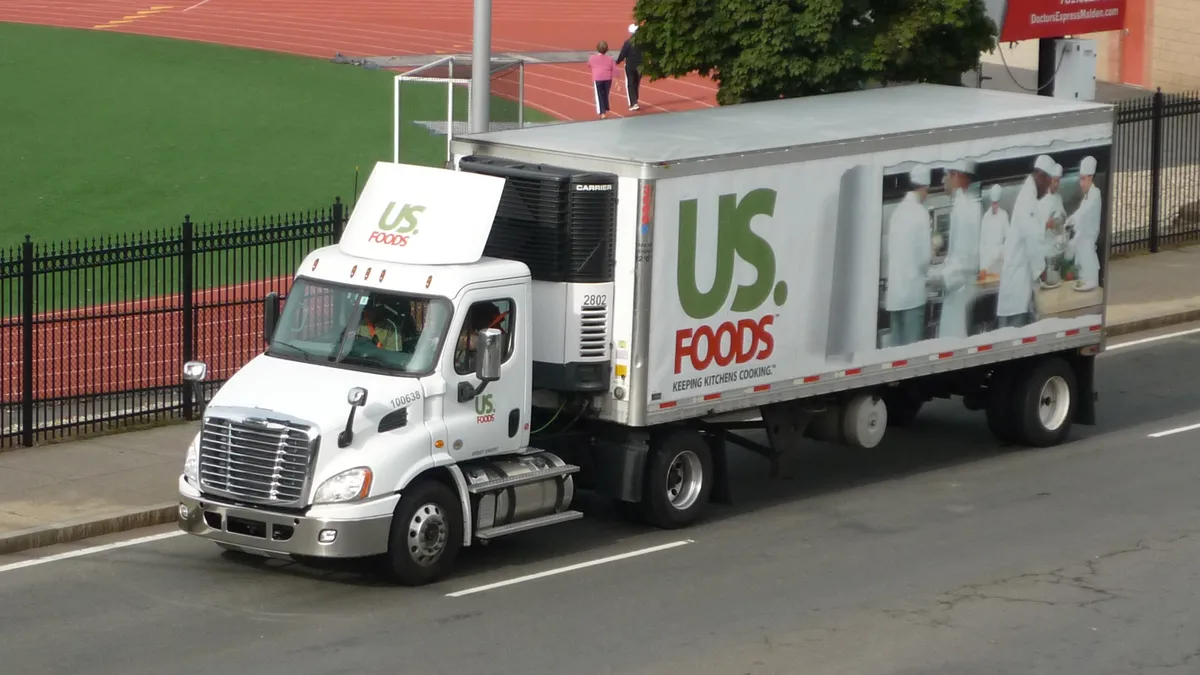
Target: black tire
{"points": [[689, 452], [440, 510], [902, 409], [1042, 418]]}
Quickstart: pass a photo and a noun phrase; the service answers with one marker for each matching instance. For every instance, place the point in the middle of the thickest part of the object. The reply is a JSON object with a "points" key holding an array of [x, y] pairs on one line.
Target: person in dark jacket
{"points": [[631, 54]]}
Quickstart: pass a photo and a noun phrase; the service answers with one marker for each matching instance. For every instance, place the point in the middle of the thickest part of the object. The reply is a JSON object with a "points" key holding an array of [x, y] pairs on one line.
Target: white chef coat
{"points": [[1086, 220], [1050, 206], [961, 267], [909, 254], [1024, 254], [991, 240]]}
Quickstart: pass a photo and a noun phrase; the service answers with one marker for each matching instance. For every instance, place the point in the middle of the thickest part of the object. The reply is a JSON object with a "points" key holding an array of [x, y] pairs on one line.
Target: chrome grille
{"points": [[593, 332], [258, 460]]}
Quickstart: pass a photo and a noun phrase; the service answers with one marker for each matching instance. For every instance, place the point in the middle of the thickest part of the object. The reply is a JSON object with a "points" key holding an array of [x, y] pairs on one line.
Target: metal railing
{"points": [[94, 333]]}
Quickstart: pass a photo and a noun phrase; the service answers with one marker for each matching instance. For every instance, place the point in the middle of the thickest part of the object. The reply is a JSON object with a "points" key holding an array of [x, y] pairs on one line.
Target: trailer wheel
{"points": [[679, 479], [1044, 401], [426, 534]]}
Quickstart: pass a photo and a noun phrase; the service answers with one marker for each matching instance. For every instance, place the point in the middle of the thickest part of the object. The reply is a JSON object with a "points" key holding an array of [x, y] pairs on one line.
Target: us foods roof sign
{"points": [[1032, 19]]}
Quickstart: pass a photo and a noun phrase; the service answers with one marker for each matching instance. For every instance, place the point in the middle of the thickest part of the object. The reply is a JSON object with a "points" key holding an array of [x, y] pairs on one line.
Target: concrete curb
{"points": [[161, 514], [1150, 323], [62, 533]]}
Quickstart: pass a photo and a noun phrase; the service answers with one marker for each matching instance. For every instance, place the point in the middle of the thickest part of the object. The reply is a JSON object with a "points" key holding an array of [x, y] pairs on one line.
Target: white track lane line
{"points": [[1176, 430], [33, 562], [1156, 338], [570, 568]]}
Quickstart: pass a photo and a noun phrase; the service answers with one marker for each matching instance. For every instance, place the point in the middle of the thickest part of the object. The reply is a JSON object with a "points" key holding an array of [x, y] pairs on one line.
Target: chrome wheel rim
{"points": [[1053, 403], [685, 477], [427, 535]]}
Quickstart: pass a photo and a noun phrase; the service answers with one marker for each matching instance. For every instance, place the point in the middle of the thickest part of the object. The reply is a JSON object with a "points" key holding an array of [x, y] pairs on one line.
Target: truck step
{"points": [[523, 479], [532, 524]]}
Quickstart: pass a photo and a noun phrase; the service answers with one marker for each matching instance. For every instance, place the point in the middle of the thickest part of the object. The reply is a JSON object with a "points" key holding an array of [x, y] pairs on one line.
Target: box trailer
{"points": [[602, 306]]}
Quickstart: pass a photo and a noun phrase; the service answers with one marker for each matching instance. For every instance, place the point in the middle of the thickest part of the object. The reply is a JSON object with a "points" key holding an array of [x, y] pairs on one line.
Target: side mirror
{"points": [[357, 398], [270, 316], [195, 371], [489, 354]]}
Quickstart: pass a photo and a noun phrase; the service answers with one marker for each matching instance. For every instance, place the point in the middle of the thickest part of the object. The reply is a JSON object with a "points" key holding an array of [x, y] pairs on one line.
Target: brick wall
{"points": [[1175, 45]]}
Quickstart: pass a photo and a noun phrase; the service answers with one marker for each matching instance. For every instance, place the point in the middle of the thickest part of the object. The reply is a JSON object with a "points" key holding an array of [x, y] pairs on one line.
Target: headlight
{"points": [[348, 486], [191, 463]]}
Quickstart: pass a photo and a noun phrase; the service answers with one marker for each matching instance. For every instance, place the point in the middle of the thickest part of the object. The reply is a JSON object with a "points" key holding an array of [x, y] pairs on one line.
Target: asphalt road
{"points": [[938, 553]]}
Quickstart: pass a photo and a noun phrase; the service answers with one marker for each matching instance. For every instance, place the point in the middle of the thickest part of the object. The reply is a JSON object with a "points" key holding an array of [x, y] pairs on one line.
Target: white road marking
{"points": [[1156, 338], [570, 568], [33, 562], [1177, 430]]}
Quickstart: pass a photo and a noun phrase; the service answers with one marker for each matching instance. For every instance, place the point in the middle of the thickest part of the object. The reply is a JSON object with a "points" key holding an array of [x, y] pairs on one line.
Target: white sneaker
{"points": [[635, 107]]}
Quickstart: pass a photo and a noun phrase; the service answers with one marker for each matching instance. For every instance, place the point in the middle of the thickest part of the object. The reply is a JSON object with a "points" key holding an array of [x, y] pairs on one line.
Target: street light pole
{"points": [[481, 67]]}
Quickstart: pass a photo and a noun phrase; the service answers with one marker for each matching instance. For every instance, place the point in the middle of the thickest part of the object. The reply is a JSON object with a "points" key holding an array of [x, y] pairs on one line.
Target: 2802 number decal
{"points": [[596, 300]]}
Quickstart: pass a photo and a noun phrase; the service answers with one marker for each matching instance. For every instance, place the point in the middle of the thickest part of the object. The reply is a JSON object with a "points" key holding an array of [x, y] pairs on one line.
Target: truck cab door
{"points": [[495, 421]]}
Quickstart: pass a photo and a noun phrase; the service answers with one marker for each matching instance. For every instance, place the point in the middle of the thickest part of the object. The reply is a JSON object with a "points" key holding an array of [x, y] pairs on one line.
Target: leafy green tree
{"points": [[765, 49]]}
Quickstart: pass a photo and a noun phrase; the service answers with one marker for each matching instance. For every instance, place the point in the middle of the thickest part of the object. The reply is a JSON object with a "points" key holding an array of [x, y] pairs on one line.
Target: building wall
{"points": [[1174, 45]]}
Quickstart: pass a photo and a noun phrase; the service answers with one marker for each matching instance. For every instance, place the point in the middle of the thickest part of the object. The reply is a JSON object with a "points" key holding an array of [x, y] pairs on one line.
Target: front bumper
{"points": [[355, 531]]}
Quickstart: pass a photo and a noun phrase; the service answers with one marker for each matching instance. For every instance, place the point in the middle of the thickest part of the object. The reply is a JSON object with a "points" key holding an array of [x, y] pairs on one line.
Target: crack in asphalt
{"points": [[1078, 577]]}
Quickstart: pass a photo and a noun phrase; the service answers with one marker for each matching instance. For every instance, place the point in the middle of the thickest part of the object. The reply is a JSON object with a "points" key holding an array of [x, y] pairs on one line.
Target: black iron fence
{"points": [[94, 333], [1156, 177]]}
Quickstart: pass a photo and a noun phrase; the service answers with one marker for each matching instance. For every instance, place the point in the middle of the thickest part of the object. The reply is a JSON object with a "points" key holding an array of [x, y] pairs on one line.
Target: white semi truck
{"points": [[601, 305]]}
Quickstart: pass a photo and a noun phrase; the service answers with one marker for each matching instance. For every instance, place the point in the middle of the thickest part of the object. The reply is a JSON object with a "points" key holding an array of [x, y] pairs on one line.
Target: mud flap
{"points": [[1085, 379]]}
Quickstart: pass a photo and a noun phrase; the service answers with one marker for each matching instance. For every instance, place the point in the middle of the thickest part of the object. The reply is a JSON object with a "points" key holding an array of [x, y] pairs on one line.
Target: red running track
{"points": [[359, 28]]}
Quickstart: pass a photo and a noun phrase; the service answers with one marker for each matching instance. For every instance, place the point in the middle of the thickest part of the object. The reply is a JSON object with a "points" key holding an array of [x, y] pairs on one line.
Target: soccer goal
{"points": [[437, 96]]}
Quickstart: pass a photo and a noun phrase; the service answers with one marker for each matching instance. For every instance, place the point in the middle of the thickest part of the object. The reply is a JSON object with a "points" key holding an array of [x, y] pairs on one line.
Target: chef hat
{"points": [[1044, 163], [919, 176], [1057, 172], [632, 28], [995, 193], [961, 166], [1088, 166]]}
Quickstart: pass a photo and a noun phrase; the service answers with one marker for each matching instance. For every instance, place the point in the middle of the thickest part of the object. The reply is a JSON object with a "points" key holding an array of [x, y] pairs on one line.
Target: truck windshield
{"points": [[349, 326]]}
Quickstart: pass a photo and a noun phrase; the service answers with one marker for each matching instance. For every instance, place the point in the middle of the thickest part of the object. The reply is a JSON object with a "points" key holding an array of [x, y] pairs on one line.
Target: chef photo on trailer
{"points": [[909, 256], [1024, 248], [960, 270], [1085, 228]]}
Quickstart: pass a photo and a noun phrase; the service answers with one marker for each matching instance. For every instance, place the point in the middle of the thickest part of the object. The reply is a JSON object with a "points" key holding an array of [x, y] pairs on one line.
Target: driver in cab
{"points": [[377, 325], [483, 315]]}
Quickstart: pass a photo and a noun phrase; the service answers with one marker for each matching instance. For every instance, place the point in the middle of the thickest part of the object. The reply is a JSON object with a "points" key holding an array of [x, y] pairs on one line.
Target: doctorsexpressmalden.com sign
{"points": [[1032, 19]]}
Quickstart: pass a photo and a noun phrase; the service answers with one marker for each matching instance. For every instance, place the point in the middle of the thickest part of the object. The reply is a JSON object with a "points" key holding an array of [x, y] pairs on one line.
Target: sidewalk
{"points": [[71, 491]]}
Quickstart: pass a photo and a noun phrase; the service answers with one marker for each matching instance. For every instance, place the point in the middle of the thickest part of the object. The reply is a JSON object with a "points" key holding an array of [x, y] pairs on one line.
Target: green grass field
{"points": [[108, 133]]}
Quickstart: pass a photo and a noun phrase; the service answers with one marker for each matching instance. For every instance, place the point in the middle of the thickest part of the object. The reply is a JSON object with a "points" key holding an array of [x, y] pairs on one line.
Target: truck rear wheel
{"points": [[426, 534], [679, 479], [1044, 403]]}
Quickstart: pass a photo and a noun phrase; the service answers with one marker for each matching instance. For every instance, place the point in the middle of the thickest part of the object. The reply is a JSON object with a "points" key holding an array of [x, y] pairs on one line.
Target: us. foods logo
{"points": [[396, 225], [728, 342]]}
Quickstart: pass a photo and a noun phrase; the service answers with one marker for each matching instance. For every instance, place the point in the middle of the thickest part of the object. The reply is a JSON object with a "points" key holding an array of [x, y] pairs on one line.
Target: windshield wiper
{"points": [[303, 352]]}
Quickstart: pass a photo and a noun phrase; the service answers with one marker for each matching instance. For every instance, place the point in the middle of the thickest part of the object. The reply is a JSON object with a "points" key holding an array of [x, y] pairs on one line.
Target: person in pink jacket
{"points": [[603, 67]]}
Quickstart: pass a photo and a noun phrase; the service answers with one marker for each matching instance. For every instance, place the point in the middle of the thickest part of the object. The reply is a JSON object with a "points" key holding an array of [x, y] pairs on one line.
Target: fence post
{"points": [[339, 210], [1156, 129], [185, 292], [27, 296]]}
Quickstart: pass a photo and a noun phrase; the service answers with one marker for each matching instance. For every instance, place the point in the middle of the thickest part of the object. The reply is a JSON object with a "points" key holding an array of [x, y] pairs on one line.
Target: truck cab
{"points": [[399, 365]]}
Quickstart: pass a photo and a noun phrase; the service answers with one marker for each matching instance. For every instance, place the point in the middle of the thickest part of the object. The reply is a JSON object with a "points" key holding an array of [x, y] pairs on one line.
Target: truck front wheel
{"points": [[679, 479], [426, 534]]}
